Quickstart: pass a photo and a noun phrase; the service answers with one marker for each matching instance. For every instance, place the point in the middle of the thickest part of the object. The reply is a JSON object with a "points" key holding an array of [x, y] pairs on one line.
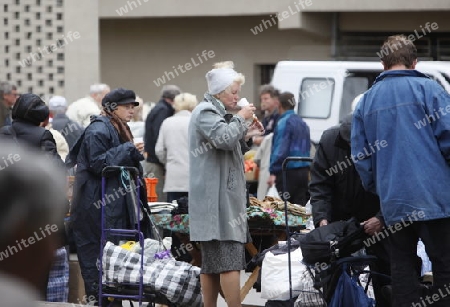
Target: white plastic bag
{"points": [[273, 192], [275, 275]]}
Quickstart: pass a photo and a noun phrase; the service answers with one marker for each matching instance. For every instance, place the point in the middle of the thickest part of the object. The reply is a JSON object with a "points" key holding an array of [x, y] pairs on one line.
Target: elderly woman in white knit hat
{"points": [[217, 195]]}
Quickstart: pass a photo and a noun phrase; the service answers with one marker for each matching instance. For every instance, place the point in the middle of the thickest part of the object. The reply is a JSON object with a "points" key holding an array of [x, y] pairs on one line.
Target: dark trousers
{"points": [[382, 271], [406, 290], [296, 185]]}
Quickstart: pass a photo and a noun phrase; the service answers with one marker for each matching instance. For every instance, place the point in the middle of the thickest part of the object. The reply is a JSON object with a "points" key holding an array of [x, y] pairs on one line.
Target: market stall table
{"points": [[261, 222]]}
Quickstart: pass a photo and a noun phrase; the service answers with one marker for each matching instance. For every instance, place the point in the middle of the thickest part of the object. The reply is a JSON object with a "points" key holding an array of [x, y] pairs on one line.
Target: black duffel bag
{"points": [[330, 242]]}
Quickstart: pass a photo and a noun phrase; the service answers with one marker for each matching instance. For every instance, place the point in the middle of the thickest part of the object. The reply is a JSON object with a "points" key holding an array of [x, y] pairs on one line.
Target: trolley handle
{"points": [[110, 171], [289, 159]]}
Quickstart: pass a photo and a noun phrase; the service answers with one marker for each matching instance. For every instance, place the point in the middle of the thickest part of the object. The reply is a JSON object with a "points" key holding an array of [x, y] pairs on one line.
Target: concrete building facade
{"points": [[143, 44]]}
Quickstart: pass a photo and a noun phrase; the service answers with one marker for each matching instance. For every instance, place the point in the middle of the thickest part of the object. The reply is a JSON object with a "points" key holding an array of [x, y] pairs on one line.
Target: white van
{"points": [[326, 89]]}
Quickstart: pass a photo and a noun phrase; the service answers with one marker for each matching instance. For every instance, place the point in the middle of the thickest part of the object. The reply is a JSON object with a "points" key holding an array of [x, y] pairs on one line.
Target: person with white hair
{"points": [[32, 190], [81, 110], [217, 189], [172, 147], [163, 109], [60, 122]]}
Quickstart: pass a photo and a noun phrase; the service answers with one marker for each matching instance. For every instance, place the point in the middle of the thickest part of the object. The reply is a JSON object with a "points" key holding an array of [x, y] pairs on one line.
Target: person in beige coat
{"points": [[172, 147], [81, 110]]}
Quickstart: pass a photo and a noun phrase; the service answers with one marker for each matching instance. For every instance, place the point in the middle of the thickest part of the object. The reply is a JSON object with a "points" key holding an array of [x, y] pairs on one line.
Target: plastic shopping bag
{"points": [[273, 192], [275, 275]]}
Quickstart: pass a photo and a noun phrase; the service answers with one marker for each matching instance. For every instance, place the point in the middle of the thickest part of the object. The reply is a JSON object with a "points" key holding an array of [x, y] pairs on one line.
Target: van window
{"points": [[353, 86], [315, 97]]}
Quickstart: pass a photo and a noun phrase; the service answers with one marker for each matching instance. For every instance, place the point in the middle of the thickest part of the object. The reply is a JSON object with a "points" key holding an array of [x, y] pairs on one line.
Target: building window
{"points": [[50, 63], [38, 29], [17, 15], [29, 34], [38, 42], [59, 16], [30, 89], [59, 3], [18, 56], [8, 76], [6, 49], [49, 9], [60, 70], [61, 83], [19, 82], [17, 42], [6, 62], [59, 29], [38, 16], [5, 21], [51, 90], [27, 22], [17, 2], [5, 8], [27, 8], [39, 69], [50, 77], [49, 35], [18, 69], [38, 2], [60, 57], [6, 35], [48, 22], [29, 76], [28, 49], [17, 28], [41, 82]]}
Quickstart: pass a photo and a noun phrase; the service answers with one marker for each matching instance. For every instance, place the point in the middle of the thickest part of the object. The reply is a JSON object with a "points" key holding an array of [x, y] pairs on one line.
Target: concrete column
{"points": [[82, 54]]}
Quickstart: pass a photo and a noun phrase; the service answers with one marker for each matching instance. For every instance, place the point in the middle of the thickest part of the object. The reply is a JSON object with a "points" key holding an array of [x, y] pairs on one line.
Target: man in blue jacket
{"points": [[290, 138], [406, 164]]}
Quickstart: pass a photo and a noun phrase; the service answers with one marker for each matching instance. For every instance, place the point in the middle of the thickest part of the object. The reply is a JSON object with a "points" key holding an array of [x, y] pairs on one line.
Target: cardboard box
{"points": [[252, 175]]}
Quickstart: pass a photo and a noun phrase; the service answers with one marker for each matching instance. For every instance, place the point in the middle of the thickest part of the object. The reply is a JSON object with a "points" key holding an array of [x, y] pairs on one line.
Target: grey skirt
{"points": [[222, 256]]}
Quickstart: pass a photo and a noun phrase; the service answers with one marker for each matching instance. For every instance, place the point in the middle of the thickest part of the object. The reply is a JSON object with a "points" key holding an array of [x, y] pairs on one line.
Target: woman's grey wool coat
{"points": [[217, 187]]}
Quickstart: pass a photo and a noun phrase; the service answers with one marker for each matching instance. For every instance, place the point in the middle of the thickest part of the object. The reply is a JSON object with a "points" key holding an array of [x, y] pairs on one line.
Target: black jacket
{"points": [[153, 123], [35, 136], [335, 187]]}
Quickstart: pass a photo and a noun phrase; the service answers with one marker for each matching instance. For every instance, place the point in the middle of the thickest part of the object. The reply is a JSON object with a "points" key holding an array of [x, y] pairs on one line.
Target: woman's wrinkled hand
{"points": [[140, 147]]}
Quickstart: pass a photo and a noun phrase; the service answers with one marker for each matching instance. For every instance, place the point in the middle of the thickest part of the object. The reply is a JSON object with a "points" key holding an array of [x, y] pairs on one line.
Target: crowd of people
{"points": [[195, 150]]}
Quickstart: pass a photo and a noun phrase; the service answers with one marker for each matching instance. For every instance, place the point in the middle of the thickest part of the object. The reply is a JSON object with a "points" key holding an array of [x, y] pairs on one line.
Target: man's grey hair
{"points": [[98, 88], [7, 88], [32, 191], [170, 91]]}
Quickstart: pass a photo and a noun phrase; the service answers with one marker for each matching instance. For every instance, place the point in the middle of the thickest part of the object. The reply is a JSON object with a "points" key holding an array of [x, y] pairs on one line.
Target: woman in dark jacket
{"points": [[28, 113], [107, 141]]}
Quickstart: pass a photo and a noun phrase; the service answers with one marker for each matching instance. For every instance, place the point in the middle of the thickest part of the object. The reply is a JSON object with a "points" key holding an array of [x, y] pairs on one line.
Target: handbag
{"points": [[330, 242]]}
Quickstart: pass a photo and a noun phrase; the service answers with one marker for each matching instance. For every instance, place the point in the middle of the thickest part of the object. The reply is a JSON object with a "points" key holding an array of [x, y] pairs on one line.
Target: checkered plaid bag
{"points": [[178, 281], [58, 279]]}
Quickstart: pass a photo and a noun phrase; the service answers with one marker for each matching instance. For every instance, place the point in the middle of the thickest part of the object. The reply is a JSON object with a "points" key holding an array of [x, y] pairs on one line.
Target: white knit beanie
{"points": [[219, 79]]}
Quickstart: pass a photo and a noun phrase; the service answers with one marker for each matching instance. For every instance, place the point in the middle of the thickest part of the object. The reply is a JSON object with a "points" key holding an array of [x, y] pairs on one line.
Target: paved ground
{"points": [[253, 298]]}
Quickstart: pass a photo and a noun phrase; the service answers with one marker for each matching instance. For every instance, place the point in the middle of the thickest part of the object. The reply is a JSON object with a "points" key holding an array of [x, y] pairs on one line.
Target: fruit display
{"points": [[250, 167]]}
